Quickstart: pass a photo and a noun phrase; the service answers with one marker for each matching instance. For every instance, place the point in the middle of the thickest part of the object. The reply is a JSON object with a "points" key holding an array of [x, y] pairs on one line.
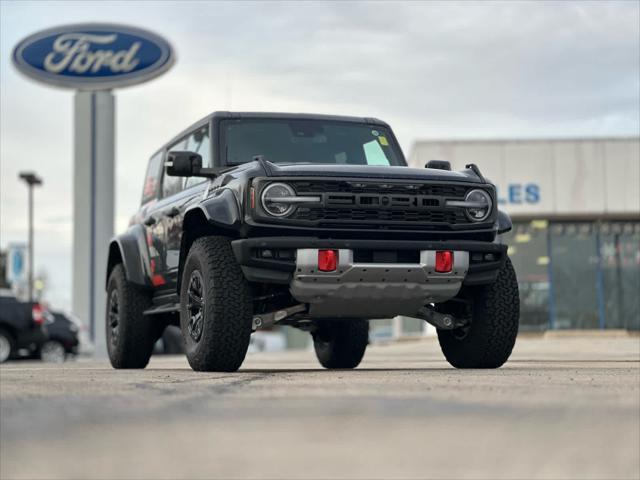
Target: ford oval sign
{"points": [[93, 56]]}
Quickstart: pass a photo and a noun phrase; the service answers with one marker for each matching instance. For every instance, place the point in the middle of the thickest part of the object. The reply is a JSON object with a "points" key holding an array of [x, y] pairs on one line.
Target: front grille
{"points": [[359, 215], [380, 204], [366, 200]]}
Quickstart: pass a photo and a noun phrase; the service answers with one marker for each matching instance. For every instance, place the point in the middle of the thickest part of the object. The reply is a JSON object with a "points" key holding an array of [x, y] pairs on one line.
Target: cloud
{"points": [[431, 69]]}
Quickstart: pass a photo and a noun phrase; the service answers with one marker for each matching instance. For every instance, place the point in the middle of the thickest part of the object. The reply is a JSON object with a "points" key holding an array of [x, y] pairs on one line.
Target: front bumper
{"points": [[485, 258]]}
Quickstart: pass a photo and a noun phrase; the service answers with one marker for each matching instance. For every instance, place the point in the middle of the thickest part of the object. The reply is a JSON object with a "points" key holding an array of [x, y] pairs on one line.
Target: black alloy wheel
{"points": [[114, 317], [195, 306]]}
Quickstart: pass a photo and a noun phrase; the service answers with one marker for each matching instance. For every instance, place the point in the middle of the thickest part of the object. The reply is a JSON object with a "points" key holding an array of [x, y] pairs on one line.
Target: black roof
{"points": [[306, 116]]}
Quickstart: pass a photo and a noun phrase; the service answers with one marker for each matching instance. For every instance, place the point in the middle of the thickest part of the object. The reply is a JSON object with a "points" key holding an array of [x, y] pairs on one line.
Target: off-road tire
{"points": [[133, 344], [10, 342], [227, 311], [495, 314], [341, 343]]}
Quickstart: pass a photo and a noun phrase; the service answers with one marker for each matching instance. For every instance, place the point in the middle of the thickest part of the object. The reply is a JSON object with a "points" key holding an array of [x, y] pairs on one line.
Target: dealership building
{"points": [[575, 206]]}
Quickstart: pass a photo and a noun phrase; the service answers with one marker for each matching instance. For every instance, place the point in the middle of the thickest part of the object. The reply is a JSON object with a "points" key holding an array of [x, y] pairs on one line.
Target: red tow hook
{"points": [[327, 260], [444, 261]]}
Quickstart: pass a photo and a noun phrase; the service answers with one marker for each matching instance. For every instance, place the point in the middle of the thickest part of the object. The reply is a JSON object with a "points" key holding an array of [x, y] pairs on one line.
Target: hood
{"points": [[370, 171]]}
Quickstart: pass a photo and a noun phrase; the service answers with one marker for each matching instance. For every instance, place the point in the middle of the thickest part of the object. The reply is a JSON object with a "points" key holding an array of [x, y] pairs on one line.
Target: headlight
{"points": [[478, 205], [280, 199], [270, 196]]}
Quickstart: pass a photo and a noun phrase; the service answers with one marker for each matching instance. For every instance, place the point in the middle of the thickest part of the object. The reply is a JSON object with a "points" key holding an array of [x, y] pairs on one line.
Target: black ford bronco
{"points": [[249, 220]]}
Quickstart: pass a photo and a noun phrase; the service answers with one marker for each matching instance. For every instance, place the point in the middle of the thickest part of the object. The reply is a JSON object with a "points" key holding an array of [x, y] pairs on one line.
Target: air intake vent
{"points": [[341, 199]]}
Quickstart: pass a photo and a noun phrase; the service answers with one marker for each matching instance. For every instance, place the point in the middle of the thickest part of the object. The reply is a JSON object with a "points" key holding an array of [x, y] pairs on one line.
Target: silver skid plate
{"points": [[374, 290]]}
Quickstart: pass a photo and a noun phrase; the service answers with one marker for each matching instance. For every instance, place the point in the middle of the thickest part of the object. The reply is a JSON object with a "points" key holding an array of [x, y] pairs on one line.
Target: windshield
{"points": [[308, 141]]}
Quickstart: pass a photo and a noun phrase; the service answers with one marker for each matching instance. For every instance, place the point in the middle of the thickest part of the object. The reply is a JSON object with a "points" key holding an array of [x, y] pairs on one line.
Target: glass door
{"points": [[575, 278], [620, 250]]}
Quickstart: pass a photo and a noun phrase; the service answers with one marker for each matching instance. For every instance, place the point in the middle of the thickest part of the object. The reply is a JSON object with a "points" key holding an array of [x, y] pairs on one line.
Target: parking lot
{"points": [[563, 407]]}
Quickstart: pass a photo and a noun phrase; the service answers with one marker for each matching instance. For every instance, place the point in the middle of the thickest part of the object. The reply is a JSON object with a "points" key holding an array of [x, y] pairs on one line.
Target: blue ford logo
{"points": [[93, 56]]}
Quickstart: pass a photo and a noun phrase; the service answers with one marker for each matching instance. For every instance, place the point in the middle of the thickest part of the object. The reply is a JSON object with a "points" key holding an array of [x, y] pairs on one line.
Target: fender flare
{"points": [[130, 249], [222, 209], [503, 222], [219, 214]]}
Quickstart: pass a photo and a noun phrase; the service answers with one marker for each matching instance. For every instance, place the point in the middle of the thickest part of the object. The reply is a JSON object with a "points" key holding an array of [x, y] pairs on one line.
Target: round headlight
{"points": [[481, 205], [270, 197]]}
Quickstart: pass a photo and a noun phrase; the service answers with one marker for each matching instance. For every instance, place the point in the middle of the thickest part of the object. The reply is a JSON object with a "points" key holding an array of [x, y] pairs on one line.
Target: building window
{"points": [[620, 250], [577, 275], [574, 271], [528, 251]]}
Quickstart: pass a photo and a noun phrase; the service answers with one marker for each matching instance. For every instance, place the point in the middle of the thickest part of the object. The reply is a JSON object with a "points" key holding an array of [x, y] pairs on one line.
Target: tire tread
{"points": [[136, 333], [494, 326], [346, 346], [12, 342], [227, 329]]}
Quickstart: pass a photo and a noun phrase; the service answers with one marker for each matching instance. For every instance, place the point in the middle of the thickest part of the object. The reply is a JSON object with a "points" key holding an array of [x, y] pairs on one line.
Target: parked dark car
{"points": [[22, 327], [253, 219], [62, 339]]}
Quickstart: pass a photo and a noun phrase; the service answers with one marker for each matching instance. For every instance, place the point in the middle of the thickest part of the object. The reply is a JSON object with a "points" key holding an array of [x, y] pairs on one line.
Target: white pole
{"points": [[30, 186], [93, 207]]}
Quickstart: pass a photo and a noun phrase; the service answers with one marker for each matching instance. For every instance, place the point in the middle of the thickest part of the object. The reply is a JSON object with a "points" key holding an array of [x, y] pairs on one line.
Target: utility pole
{"points": [[31, 180]]}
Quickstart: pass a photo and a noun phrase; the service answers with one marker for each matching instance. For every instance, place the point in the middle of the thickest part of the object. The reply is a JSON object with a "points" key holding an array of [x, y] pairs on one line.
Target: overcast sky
{"points": [[464, 70]]}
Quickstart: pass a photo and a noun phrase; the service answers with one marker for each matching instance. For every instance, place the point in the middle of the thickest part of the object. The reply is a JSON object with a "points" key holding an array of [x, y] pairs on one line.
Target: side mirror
{"points": [[183, 164]]}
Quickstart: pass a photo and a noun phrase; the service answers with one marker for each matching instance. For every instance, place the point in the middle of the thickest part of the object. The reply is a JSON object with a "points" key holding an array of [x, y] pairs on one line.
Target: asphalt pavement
{"points": [[563, 407]]}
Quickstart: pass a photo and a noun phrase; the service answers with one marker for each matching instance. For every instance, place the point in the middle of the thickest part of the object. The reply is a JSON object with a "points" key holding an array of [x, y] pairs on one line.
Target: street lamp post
{"points": [[31, 180]]}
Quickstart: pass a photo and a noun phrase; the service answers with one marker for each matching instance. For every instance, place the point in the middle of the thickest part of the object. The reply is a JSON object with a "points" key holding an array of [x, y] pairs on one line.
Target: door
{"points": [[150, 216], [620, 253], [178, 194], [574, 270]]}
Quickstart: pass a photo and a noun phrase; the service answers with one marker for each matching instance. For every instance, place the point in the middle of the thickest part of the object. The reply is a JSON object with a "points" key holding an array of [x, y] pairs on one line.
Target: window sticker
{"points": [[374, 154], [383, 141], [375, 133]]}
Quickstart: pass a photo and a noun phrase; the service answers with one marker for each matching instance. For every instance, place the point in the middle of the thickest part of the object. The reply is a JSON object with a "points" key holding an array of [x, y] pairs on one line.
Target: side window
{"points": [[199, 142], [152, 178]]}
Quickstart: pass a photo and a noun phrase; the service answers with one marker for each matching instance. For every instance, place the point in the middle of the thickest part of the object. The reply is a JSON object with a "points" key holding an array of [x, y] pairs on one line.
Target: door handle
{"points": [[172, 212], [150, 220]]}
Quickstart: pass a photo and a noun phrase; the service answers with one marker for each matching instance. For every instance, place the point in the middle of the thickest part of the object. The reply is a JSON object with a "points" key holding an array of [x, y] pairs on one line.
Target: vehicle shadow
{"points": [[345, 370], [516, 365], [357, 371]]}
